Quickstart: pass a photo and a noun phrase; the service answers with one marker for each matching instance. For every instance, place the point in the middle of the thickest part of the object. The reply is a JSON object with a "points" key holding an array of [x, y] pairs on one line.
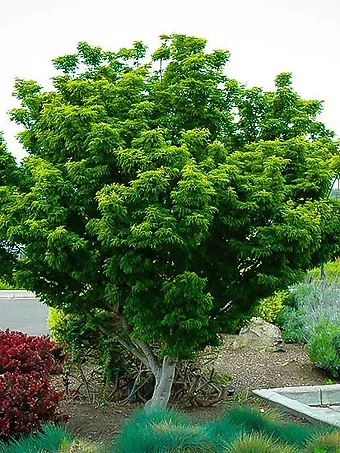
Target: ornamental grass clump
{"points": [[49, 439], [241, 429], [156, 431], [324, 443], [271, 424], [257, 443]]}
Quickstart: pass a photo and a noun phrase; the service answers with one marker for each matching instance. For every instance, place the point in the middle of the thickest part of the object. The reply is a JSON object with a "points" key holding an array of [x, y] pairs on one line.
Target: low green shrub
{"points": [[270, 307], [306, 306], [80, 337], [336, 343], [322, 346], [291, 322]]}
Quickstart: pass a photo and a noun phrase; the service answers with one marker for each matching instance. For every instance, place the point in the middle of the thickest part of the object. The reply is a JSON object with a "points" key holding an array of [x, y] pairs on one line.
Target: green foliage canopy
{"points": [[165, 195], [9, 177]]}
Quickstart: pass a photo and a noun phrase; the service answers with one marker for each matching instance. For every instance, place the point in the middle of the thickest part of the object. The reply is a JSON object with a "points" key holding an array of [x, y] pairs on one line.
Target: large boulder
{"points": [[260, 335]]}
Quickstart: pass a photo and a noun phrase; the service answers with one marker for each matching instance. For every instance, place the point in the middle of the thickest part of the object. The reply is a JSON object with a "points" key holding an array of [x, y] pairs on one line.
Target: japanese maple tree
{"points": [[163, 198]]}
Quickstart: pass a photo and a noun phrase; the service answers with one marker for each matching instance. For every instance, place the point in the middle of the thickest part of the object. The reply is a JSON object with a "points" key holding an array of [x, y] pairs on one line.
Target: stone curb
{"points": [[16, 294]]}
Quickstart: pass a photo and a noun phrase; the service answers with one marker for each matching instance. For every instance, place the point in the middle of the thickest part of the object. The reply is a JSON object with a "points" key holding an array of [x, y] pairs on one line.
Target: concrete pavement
{"points": [[23, 312]]}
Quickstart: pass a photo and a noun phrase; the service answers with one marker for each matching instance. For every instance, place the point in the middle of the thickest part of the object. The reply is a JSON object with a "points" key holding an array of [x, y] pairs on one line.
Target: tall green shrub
{"points": [[80, 336], [322, 346]]}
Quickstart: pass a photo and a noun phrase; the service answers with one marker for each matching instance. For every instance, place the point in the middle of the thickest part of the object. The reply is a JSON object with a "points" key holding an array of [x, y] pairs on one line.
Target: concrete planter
{"points": [[317, 403]]}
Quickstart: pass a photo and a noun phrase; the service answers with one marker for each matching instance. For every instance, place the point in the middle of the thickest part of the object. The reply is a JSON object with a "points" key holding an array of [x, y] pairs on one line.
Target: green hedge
{"points": [[4, 285]]}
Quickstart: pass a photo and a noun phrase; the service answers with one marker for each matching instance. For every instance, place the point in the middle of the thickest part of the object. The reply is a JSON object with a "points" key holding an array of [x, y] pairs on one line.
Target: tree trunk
{"points": [[164, 381], [322, 272]]}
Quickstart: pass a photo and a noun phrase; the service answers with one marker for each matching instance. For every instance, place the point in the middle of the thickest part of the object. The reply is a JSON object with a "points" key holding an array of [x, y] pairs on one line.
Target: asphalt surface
{"points": [[25, 315]]}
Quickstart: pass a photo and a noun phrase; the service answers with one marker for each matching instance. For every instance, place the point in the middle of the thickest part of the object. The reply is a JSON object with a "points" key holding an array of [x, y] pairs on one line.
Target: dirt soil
{"points": [[249, 370]]}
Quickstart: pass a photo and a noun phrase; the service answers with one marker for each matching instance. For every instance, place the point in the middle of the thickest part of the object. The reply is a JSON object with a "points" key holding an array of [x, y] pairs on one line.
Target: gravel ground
{"points": [[261, 369], [249, 370]]}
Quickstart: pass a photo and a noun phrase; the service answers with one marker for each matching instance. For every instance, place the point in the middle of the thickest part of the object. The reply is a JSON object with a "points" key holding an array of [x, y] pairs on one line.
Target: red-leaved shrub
{"points": [[24, 353], [27, 398]]}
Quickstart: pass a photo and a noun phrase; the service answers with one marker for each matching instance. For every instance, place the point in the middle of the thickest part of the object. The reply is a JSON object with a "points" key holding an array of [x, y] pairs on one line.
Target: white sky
{"points": [[265, 37]]}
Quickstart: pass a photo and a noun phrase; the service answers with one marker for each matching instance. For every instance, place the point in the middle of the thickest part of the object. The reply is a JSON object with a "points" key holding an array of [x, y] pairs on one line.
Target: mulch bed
{"points": [[249, 369]]}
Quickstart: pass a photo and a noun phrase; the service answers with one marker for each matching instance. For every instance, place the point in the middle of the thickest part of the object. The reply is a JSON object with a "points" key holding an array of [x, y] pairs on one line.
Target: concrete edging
{"points": [[296, 399], [16, 294]]}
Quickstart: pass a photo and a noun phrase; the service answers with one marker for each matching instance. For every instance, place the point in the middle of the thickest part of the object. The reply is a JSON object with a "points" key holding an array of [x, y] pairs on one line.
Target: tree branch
{"points": [[147, 351], [125, 342], [151, 357], [131, 347]]}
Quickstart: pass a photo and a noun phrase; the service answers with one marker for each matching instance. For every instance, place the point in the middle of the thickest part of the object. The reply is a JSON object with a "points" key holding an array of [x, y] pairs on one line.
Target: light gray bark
{"points": [[150, 357], [164, 381], [125, 341], [164, 374], [130, 346]]}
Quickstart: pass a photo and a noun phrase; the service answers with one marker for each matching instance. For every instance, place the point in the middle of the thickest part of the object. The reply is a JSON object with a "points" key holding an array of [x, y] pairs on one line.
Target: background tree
{"points": [[164, 198], [9, 178]]}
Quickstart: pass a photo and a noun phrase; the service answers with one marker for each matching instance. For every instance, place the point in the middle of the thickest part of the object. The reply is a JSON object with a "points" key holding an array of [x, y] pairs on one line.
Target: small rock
{"points": [[260, 335]]}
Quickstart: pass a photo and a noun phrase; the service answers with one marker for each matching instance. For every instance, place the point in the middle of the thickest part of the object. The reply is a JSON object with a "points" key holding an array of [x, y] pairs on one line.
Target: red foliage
{"points": [[27, 399], [24, 353]]}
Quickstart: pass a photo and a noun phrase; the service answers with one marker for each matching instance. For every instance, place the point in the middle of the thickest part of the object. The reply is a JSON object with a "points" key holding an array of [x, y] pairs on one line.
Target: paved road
{"points": [[25, 315]]}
